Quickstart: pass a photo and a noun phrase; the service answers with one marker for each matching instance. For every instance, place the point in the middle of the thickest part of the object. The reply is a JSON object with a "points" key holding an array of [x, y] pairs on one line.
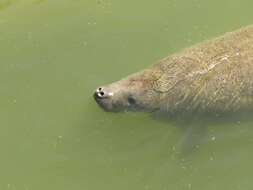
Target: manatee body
{"points": [[214, 76]]}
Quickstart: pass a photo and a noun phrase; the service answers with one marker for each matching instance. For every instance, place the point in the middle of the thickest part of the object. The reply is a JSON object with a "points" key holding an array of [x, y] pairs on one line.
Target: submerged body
{"points": [[214, 76]]}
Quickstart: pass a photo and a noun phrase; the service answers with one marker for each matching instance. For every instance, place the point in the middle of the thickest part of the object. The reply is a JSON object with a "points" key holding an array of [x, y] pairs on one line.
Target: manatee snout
{"points": [[102, 93], [132, 93], [103, 96]]}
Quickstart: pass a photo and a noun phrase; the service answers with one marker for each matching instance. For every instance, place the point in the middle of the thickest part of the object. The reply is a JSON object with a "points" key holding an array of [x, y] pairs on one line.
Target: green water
{"points": [[53, 136]]}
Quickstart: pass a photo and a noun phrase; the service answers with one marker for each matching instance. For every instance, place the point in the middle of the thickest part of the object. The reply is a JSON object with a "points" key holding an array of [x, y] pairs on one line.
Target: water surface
{"points": [[54, 136]]}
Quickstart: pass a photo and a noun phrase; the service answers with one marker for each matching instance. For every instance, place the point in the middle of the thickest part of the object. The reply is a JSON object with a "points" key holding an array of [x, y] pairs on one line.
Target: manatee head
{"points": [[134, 93]]}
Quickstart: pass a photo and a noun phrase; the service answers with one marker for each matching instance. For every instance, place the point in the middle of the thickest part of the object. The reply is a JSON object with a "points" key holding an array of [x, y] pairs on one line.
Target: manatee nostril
{"points": [[102, 93]]}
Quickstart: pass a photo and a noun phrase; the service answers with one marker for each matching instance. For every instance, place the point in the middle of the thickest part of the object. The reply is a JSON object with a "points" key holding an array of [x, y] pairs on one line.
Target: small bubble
{"points": [[213, 138]]}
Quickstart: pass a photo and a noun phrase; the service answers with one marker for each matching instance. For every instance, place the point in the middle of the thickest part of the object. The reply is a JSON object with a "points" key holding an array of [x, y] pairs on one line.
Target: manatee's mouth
{"points": [[101, 102]]}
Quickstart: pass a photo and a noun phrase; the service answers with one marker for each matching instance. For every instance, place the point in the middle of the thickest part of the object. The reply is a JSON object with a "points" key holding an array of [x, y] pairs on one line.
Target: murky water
{"points": [[54, 136]]}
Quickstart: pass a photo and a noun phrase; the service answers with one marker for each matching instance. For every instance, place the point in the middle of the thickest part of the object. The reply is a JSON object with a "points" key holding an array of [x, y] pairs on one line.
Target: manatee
{"points": [[215, 76]]}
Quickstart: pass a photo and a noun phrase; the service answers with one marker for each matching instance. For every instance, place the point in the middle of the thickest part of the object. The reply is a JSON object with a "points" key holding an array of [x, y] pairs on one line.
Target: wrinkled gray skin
{"points": [[214, 76]]}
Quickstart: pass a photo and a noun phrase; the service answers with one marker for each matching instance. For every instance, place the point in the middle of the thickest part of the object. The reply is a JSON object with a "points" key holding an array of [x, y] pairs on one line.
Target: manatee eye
{"points": [[131, 100]]}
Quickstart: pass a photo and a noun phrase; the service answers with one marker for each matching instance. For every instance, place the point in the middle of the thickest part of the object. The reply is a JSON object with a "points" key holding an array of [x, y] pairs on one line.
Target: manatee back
{"points": [[216, 75]]}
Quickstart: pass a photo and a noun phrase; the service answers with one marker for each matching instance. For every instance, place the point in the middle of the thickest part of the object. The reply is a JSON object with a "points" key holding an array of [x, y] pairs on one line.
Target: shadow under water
{"points": [[195, 127]]}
